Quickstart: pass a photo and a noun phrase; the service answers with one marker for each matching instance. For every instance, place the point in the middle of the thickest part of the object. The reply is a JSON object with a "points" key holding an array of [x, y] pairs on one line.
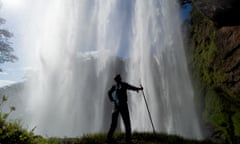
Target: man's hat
{"points": [[117, 77]]}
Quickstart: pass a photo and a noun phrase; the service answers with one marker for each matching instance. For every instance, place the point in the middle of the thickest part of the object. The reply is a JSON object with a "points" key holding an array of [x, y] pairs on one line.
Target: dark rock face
{"points": [[226, 62], [222, 12], [228, 58], [216, 59]]}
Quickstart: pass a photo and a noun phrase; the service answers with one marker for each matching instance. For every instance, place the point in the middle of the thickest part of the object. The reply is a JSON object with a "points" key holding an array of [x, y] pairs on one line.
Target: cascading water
{"points": [[76, 44], [158, 61]]}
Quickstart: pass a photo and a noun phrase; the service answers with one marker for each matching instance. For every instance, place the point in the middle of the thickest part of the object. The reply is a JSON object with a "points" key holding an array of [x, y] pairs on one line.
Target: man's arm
{"points": [[130, 87], [110, 93]]}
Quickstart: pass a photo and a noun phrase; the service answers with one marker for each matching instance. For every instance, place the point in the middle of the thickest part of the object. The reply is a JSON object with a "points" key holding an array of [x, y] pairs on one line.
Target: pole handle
{"points": [[141, 86]]}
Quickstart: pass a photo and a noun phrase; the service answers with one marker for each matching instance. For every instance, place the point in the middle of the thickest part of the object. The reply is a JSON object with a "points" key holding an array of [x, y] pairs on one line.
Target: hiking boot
{"points": [[110, 141]]}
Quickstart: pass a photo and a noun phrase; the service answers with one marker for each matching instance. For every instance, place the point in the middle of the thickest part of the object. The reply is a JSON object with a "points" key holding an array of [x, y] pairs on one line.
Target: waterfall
{"points": [[158, 61], [76, 47]]}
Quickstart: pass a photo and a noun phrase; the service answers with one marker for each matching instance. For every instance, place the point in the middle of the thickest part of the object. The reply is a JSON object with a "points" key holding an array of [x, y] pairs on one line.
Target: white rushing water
{"points": [[73, 45]]}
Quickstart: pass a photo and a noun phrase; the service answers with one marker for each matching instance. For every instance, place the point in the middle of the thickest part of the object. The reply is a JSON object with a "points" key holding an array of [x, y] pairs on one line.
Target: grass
{"points": [[137, 138]]}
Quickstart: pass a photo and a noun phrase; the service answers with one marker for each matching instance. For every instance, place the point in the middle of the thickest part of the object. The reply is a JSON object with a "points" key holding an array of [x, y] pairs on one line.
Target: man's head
{"points": [[118, 78]]}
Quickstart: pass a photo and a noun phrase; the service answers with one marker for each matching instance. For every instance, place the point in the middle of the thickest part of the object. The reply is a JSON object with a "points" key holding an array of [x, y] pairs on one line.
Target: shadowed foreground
{"points": [[137, 138]]}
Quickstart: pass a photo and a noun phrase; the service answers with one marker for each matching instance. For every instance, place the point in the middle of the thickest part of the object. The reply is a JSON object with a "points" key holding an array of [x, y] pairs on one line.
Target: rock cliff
{"points": [[215, 31]]}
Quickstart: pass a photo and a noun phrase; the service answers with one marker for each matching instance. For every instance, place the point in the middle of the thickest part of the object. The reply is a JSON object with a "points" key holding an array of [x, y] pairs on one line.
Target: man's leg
{"points": [[126, 119], [113, 125]]}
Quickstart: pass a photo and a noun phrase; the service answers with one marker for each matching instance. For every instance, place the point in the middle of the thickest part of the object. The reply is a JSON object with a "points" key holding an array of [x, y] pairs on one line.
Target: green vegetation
{"points": [[203, 36], [14, 133], [6, 50], [236, 123], [138, 138], [221, 114], [217, 114]]}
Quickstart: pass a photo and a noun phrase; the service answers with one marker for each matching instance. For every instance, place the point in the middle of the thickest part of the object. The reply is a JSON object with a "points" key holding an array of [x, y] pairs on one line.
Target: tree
{"points": [[6, 50]]}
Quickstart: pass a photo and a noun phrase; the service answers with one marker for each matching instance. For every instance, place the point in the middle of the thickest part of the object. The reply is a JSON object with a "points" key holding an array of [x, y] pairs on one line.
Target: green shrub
{"points": [[14, 133], [236, 123]]}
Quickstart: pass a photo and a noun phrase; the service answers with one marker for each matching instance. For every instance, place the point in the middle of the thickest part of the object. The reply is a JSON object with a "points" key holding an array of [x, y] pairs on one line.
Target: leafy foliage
{"points": [[14, 133], [216, 114], [236, 123], [6, 50]]}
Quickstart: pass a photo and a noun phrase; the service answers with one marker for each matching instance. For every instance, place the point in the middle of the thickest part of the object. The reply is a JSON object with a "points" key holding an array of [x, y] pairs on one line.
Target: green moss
{"points": [[218, 110], [236, 123], [205, 49], [216, 115]]}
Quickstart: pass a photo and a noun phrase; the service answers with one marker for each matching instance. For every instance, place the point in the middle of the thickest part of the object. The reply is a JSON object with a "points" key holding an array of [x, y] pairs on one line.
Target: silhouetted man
{"points": [[118, 95]]}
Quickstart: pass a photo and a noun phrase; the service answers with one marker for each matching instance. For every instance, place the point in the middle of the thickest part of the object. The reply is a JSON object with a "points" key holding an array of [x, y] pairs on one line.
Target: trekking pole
{"points": [[148, 109]]}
